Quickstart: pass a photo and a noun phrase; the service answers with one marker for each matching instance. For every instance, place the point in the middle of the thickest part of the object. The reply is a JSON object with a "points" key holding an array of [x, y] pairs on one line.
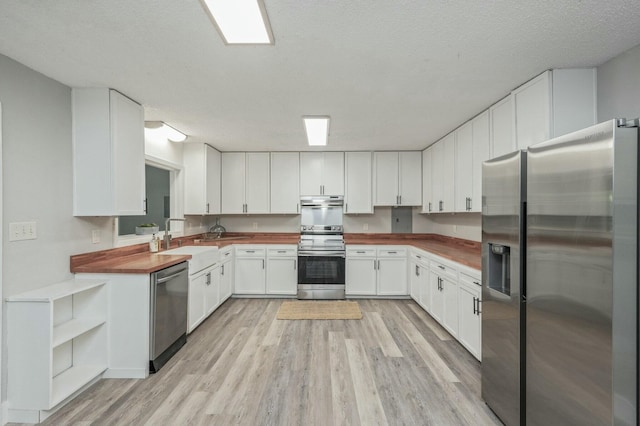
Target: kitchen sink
{"points": [[201, 256]]}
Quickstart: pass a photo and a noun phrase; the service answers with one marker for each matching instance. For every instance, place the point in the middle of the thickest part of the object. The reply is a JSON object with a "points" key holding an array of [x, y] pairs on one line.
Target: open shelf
{"points": [[72, 379], [71, 329]]}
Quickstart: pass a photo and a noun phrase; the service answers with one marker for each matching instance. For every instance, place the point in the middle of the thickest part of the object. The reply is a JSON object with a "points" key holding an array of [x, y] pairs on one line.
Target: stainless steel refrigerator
{"points": [[560, 323]]}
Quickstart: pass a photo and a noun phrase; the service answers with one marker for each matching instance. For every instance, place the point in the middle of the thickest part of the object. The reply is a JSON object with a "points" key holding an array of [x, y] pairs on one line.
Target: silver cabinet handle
{"points": [[440, 206], [208, 281], [346, 207], [392, 252], [417, 271], [375, 265], [295, 264], [207, 207], [476, 283], [400, 199], [144, 205], [249, 251], [282, 251], [262, 263], [297, 208], [222, 270], [474, 305], [478, 311], [441, 267]]}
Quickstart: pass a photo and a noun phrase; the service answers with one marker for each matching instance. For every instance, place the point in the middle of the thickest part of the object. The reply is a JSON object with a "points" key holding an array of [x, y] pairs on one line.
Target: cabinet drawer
{"points": [[392, 252], [361, 252], [282, 252], [250, 252], [226, 253], [444, 270], [420, 257], [469, 279]]}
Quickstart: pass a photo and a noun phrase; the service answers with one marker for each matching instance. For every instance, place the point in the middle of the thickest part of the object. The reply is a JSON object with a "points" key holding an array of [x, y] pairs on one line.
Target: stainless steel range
{"points": [[321, 252]]}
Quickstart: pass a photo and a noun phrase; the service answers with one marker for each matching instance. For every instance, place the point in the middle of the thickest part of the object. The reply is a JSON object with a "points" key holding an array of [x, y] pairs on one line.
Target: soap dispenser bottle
{"points": [[154, 244]]}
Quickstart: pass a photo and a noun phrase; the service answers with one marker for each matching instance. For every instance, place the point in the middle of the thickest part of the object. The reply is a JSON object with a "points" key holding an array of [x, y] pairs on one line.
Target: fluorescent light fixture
{"points": [[317, 128], [161, 130], [240, 21]]}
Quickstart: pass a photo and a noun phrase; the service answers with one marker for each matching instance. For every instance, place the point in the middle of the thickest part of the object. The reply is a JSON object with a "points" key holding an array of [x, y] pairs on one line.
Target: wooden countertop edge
{"points": [[138, 260]]}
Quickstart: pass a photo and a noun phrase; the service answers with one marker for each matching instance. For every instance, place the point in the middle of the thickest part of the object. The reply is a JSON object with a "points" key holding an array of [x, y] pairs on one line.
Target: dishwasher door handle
{"points": [[169, 277]]}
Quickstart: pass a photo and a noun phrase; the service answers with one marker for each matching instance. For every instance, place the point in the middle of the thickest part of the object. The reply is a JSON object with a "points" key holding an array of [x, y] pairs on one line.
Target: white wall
{"points": [[619, 86], [460, 225]]}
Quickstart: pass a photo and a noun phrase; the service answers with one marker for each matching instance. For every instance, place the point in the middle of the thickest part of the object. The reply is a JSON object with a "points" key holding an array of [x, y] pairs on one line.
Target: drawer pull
{"points": [[392, 252], [282, 251], [476, 283], [441, 267], [360, 252], [249, 251]]}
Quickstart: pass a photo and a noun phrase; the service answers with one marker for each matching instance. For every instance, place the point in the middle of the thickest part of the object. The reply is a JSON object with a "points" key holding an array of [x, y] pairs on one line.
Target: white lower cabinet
{"points": [[204, 295], [226, 273], [282, 270], [57, 344], [212, 290], [361, 273], [444, 294], [250, 270], [419, 278], [470, 313], [376, 271]]}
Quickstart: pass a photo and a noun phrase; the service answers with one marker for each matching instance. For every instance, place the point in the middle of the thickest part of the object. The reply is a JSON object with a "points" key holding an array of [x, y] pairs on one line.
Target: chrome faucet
{"points": [[167, 237]]}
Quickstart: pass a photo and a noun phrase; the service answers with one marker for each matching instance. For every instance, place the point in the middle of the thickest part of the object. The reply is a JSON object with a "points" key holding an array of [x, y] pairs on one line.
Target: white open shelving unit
{"points": [[57, 344]]}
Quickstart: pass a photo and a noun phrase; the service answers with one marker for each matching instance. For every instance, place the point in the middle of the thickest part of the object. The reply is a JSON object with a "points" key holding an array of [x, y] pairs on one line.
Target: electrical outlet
{"points": [[22, 231], [255, 226], [365, 226], [95, 236]]}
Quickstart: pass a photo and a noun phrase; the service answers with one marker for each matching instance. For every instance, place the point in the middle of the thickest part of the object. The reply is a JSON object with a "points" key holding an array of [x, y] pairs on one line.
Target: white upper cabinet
{"points": [[443, 174], [481, 146], [553, 104], [501, 127], [108, 154], [202, 179], [285, 182], [322, 173], [398, 178], [410, 183], [427, 186], [464, 165], [245, 182], [358, 183]]}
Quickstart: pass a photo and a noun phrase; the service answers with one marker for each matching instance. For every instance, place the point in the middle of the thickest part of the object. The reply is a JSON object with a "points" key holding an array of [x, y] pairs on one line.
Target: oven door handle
{"points": [[307, 253]]}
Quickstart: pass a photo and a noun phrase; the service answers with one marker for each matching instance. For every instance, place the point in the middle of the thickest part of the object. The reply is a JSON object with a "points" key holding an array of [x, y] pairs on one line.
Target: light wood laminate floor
{"points": [[396, 366]]}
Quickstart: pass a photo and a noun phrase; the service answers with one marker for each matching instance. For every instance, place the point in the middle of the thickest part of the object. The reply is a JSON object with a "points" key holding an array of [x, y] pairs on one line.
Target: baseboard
{"points": [[4, 413], [22, 416], [126, 373]]}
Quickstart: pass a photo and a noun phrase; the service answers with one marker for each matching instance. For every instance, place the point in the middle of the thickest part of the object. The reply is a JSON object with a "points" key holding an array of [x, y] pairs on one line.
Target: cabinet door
{"points": [[427, 185], [360, 276], [212, 290], [448, 173], [532, 106], [249, 276], [392, 277], [464, 167], [469, 328], [212, 180], [358, 183], [481, 145], [226, 280], [410, 178], [196, 301], [437, 298], [285, 182], [127, 134], [501, 127], [450, 299], [282, 275], [257, 182], [195, 178], [437, 168], [311, 164], [333, 173], [425, 289], [414, 281], [386, 178], [233, 182]]}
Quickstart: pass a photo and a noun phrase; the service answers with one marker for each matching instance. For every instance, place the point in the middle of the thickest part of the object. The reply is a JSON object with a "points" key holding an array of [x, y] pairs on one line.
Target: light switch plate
{"points": [[19, 231]]}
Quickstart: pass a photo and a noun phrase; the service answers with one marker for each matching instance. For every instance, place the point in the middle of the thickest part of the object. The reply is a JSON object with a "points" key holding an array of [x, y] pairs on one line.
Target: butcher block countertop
{"points": [[137, 259]]}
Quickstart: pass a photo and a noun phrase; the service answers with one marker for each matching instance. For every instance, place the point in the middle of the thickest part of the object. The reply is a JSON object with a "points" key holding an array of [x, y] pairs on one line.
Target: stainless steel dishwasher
{"points": [[168, 314]]}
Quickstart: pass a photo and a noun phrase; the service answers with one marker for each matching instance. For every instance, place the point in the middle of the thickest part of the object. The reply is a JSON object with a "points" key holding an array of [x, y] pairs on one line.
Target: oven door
{"points": [[321, 268]]}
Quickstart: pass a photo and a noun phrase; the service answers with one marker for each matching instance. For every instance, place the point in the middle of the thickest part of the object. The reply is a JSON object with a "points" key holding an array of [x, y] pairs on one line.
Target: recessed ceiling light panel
{"points": [[240, 21], [317, 128]]}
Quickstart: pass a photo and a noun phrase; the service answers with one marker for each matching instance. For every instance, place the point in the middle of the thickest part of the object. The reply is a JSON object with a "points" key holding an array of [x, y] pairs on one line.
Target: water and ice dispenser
{"points": [[499, 275]]}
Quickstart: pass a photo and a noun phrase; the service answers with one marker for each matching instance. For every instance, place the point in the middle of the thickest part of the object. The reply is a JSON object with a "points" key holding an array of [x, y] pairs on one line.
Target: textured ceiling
{"points": [[392, 74]]}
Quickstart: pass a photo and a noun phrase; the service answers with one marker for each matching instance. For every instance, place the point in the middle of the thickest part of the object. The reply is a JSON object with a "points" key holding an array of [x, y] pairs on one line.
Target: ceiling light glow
{"points": [[240, 21], [317, 128], [161, 130]]}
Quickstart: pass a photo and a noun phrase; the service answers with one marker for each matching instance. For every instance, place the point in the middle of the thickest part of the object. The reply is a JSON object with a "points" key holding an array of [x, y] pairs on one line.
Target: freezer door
{"points": [[503, 195], [581, 279]]}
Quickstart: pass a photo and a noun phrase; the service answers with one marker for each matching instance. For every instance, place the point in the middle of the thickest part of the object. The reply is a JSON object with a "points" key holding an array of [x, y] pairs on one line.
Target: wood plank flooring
{"points": [[396, 366]]}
